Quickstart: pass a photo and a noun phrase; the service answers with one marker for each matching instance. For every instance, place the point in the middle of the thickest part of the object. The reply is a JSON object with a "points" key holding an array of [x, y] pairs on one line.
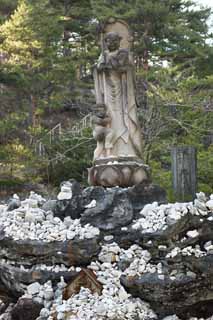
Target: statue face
{"points": [[112, 41]]}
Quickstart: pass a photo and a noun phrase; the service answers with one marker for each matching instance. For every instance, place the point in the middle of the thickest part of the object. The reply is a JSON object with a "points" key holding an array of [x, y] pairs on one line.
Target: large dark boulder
{"points": [[190, 292], [144, 193], [63, 208], [26, 309], [133, 198], [7, 314], [13, 204], [189, 295], [113, 210], [15, 277], [32, 252], [50, 205]]}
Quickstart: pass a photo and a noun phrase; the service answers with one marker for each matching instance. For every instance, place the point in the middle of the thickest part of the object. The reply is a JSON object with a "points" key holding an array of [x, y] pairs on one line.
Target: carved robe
{"points": [[114, 87]]}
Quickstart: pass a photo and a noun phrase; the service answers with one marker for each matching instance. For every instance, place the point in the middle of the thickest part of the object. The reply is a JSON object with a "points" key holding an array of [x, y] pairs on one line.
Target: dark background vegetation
{"points": [[47, 49]]}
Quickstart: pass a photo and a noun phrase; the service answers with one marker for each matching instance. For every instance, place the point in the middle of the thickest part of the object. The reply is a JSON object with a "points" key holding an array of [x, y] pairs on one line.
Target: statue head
{"points": [[112, 41]]}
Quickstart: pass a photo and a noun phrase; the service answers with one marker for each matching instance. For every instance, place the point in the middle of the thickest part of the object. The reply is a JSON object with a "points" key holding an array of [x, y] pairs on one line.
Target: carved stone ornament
{"points": [[117, 157], [118, 174]]}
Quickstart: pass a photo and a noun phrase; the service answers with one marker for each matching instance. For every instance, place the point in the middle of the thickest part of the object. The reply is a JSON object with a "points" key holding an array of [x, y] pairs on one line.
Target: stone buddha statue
{"points": [[118, 155], [114, 86]]}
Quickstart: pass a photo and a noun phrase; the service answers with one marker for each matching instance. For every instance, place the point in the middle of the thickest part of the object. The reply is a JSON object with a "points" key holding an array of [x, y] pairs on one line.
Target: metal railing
{"points": [[57, 132], [86, 122]]}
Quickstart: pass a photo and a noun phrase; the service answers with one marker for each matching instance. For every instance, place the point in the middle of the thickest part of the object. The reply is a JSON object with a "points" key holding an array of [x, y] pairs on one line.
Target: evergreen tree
{"points": [[31, 44], [48, 46], [173, 29], [6, 8]]}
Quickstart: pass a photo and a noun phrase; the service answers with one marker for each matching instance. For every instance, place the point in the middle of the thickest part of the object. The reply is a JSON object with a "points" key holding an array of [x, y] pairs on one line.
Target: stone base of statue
{"points": [[122, 172]]}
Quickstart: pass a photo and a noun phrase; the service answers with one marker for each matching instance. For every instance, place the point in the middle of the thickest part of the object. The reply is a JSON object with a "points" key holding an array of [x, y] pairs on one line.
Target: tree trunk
{"points": [[32, 116], [145, 60], [146, 40], [184, 169]]}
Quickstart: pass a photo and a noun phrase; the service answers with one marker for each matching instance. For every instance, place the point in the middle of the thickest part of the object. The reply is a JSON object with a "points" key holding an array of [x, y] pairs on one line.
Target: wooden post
{"points": [[184, 172]]}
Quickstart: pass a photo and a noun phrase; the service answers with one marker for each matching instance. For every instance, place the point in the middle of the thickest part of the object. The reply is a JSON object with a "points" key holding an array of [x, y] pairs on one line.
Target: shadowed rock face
{"points": [[108, 202], [116, 207], [25, 309], [31, 253], [190, 293], [114, 211], [75, 252], [184, 297]]}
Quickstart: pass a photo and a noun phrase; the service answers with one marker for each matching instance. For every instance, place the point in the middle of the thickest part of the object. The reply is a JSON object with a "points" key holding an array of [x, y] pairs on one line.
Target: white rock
{"points": [[201, 196], [174, 215], [68, 221], [200, 205], [16, 197], [48, 294], [108, 238], [65, 193], [208, 246], [173, 317], [141, 268], [60, 316], [33, 288], [32, 203], [70, 235], [92, 204], [162, 247], [192, 234], [61, 308], [101, 309], [44, 312], [209, 204], [124, 228]]}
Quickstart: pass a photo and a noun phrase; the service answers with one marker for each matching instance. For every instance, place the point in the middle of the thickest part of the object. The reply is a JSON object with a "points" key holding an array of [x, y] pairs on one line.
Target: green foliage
{"points": [[48, 46], [69, 157], [205, 170], [15, 164], [34, 63], [10, 183], [6, 8], [178, 111], [172, 29], [162, 177]]}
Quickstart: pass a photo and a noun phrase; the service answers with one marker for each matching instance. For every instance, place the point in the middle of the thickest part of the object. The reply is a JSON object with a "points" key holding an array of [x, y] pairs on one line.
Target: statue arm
{"points": [[119, 60], [103, 62], [106, 121], [96, 120], [101, 121], [123, 57]]}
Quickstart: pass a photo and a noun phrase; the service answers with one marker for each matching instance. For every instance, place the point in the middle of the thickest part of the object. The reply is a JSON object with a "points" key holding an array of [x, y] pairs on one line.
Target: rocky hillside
{"points": [[111, 254]]}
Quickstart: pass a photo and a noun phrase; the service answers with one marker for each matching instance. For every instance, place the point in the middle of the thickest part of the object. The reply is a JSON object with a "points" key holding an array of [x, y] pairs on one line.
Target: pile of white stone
{"points": [[158, 217], [190, 250], [187, 251], [56, 268], [29, 221], [113, 303], [135, 257]]}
